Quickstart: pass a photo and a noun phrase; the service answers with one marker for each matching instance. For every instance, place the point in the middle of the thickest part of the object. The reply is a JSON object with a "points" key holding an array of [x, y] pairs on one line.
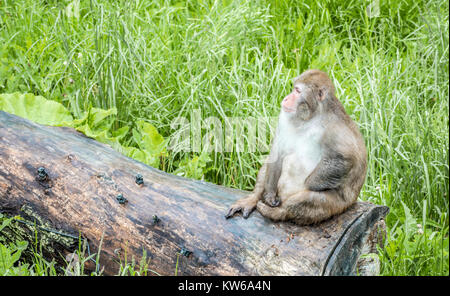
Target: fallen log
{"points": [[66, 185]]}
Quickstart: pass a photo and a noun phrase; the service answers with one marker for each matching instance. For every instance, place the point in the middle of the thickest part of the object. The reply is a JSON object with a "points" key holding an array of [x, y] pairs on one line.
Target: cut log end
{"points": [[368, 262]]}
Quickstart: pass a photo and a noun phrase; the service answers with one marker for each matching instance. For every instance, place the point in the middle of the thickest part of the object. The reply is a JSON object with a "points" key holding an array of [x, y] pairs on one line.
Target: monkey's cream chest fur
{"points": [[303, 153]]}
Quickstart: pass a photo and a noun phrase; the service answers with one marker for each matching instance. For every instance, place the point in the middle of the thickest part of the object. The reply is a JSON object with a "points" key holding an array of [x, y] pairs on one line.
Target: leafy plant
{"points": [[194, 168], [10, 254], [151, 146]]}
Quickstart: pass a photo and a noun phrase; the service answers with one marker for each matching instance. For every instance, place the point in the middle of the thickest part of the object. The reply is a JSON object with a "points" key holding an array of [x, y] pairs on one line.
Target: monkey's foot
{"points": [[275, 214], [246, 205], [271, 199]]}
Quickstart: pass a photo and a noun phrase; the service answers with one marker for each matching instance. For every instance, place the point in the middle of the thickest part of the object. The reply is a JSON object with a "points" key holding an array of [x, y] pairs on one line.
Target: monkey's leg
{"points": [[276, 214], [248, 203], [306, 207]]}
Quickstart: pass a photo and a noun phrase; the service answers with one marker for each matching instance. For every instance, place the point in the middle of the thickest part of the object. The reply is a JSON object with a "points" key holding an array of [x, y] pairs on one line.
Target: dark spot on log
{"points": [[70, 157], [42, 174], [185, 252], [139, 179], [122, 200]]}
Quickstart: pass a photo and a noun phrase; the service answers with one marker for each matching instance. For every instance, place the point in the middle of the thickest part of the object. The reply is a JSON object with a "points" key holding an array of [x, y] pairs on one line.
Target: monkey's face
{"points": [[301, 103]]}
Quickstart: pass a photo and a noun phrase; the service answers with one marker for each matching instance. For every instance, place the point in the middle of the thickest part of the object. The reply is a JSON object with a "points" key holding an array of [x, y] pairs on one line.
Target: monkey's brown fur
{"points": [[318, 162]]}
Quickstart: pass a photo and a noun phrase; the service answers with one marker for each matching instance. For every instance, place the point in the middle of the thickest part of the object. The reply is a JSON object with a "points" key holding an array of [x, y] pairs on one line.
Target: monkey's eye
{"points": [[297, 90]]}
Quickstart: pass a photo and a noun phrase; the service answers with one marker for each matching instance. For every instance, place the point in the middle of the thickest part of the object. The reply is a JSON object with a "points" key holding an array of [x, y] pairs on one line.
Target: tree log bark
{"points": [[78, 197]]}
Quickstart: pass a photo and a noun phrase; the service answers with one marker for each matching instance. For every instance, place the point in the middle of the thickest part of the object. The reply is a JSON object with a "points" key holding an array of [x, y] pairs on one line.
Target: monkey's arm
{"points": [[273, 172], [330, 173]]}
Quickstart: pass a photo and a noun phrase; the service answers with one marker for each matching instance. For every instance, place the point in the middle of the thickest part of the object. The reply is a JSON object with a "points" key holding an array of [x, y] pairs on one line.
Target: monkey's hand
{"points": [[271, 199], [246, 205]]}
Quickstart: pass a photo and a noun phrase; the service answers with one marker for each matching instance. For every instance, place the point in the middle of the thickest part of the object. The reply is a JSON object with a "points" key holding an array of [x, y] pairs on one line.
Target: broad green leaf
{"points": [[35, 108], [94, 118], [135, 153], [95, 124], [151, 144], [150, 140], [98, 115], [120, 133]]}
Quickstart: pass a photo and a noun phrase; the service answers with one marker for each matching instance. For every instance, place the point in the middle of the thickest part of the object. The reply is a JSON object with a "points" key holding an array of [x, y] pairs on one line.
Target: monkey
{"points": [[317, 163]]}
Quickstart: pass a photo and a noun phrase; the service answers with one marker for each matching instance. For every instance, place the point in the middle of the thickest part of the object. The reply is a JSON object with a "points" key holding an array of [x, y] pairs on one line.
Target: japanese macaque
{"points": [[317, 163]]}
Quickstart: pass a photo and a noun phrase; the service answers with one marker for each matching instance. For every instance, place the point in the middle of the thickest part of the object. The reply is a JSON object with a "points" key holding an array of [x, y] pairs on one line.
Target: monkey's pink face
{"points": [[290, 102]]}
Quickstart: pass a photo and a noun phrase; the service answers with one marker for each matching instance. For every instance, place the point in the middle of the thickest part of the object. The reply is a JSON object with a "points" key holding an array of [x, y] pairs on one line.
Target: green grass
{"points": [[159, 60]]}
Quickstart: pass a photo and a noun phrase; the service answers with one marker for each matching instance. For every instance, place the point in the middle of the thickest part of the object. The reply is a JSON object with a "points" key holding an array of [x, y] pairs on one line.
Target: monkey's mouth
{"points": [[288, 110]]}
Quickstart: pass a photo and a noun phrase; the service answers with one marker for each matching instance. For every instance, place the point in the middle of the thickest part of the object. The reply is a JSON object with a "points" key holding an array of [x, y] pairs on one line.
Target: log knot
{"points": [[155, 219], [139, 179], [122, 200], [185, 252], [42, 174]]}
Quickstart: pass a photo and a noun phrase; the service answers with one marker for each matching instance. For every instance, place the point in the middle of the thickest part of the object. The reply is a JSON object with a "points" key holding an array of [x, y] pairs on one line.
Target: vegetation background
{"points": [[124, 70]]}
